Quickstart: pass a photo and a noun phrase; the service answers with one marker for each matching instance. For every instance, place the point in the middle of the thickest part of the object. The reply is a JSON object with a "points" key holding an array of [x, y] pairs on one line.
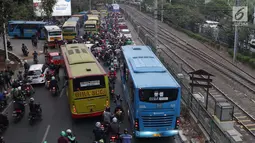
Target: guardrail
{"points": [[204, 118]]}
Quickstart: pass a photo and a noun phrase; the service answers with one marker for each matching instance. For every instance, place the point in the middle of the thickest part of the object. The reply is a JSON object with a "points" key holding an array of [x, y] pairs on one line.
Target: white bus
{"points": [[52, 32]]}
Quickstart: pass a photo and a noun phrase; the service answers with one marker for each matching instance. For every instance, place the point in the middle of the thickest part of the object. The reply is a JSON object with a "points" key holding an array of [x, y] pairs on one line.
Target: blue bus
{"points": [[152, 94], [26, 29], [115, 8]]}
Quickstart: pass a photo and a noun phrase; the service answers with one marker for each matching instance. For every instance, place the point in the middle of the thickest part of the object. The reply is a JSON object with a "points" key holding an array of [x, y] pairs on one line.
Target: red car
{"points": [[54, 58]]}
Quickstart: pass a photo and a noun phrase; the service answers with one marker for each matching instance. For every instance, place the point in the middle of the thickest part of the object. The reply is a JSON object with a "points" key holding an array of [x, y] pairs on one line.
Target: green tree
{"points": [[47, 6], [6, 11]]}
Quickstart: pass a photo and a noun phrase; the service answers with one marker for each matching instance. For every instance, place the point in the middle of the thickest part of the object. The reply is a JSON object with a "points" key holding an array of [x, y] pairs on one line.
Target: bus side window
{"points": [[131, 88]]}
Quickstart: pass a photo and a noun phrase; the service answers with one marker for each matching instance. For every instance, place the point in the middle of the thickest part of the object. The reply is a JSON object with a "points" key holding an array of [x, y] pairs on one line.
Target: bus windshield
{"points": [[68, 29], [158, 95], [88, 83], [55, 33], [90, 26]]}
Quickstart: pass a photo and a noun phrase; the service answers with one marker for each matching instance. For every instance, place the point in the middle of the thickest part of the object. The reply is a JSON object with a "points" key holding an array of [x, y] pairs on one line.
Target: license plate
{"points": [[156, 135]]}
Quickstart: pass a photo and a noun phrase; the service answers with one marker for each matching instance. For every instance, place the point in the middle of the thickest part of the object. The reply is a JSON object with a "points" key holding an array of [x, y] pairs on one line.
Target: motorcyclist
{"points": [[34, 108], [114, 127], [98, 132], [70, 136], [126, 138], [63, 138], [3, 98], [20, 76], [48, 76], [26, 65], [15, 83], [112, 72], [128, 42], [24, 49], [35, 54], [107, 115], [53, 83]]}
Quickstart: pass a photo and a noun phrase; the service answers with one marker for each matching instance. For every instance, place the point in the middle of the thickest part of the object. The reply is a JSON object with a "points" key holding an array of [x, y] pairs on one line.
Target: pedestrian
{"points": [[45, 47], [7, 78]]}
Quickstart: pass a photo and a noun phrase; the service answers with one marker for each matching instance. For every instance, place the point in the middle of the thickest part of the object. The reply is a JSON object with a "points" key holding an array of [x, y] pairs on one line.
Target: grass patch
{"points": [[244, 58]]}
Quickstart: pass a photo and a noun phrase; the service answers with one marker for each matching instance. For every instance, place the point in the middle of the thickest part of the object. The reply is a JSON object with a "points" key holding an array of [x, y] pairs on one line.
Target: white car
{"points": [[126, 33], [121, 21], [36, 73]]}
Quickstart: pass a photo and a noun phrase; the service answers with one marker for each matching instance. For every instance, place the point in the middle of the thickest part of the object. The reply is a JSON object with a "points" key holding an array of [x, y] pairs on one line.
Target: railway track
{"points": [[245, 79]]}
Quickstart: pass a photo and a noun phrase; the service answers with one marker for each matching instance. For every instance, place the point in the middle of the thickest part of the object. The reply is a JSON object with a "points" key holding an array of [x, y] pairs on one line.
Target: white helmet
{"points": [[32, 99], [114, 120], [19, 88], [98, 124], [69, 131], [5, 92], [25, 61]]}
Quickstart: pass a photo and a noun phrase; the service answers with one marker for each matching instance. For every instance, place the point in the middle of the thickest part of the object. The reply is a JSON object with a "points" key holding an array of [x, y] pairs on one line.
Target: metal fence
{"points": [[204, 118]]}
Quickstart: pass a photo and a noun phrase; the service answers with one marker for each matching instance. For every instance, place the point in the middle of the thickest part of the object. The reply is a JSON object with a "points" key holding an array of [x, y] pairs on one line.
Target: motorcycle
{"points": [[27, 91], [35, 116], [3, 104], [4, 125], [113, 139], [54, 91], [47, 84], [35, 60], [17, 114], [25, 53]]}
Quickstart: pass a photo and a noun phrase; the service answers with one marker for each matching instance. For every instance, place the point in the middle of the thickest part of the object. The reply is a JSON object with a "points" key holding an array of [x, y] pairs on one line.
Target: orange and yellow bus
{"points": [[88, 88]]}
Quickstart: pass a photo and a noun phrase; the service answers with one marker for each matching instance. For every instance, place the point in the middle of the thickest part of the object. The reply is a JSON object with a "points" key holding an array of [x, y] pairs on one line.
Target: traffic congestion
{"points": [[90, 84]]}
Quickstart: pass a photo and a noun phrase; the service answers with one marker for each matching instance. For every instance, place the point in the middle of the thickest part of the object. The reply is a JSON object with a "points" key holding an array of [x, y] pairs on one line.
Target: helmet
{"points": [[32, 99], [25, 61], [19, 88], [108, 109], [52, 77], [5, 92], [125, 131], [101, 141], [98, 124], [63, 134], [114, 120], [69, 131]]}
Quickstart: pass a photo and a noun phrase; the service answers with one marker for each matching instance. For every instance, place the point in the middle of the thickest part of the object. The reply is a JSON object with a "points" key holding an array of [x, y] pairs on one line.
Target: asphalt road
{"points": [[56, 116]]}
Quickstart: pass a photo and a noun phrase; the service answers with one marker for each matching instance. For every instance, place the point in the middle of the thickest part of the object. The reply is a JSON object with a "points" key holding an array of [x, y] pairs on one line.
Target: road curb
{"points": [[12, 55]]}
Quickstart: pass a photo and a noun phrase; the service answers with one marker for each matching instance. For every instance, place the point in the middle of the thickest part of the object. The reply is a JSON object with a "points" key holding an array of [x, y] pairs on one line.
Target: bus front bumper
{"points": [[95, 114], [155, 134]]}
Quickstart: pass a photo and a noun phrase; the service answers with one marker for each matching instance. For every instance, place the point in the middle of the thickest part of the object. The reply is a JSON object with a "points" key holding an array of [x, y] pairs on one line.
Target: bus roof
{"points": [[146, 69], [91, 22], [80, 61], [52, 28], [73, 19], [27, 22], [69, 23]]}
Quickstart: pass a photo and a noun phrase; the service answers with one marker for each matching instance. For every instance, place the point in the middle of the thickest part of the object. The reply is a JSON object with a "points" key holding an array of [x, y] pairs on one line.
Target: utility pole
{"points": [[236, 37], [4, 35], [156, 24], [89, 5], [162, 11]]}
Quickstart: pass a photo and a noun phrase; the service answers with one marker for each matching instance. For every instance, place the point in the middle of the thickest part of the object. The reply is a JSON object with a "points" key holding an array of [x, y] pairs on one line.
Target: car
{"points": [[54, 58], [126, 33], [36, 73], [122, 26], [121, 21]]}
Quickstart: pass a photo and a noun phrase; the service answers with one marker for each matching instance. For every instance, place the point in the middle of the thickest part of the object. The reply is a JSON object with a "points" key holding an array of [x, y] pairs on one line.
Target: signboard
{"points": [[62, 8], [240, 15]]}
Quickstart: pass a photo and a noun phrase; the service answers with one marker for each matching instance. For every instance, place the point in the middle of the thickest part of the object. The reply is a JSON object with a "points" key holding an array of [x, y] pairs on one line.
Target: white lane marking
{"points": [[61, 93], [7, 107], [46, 133]]}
